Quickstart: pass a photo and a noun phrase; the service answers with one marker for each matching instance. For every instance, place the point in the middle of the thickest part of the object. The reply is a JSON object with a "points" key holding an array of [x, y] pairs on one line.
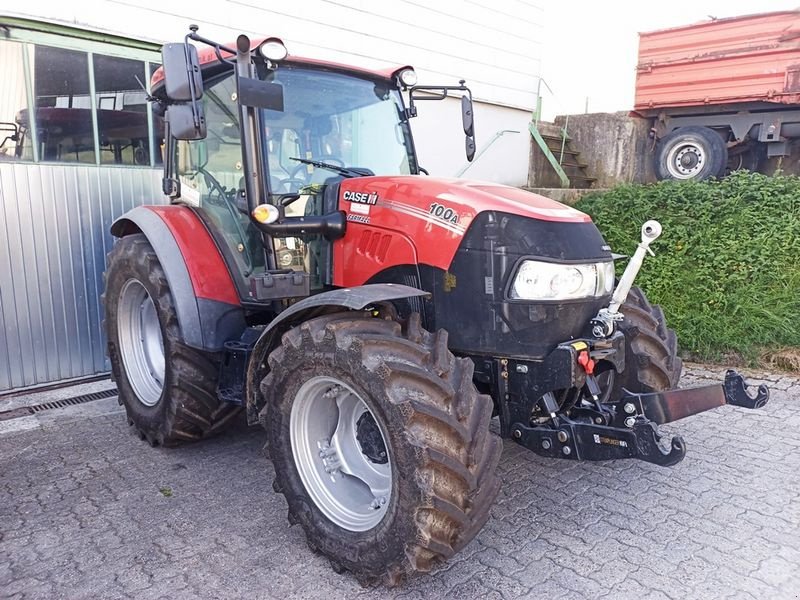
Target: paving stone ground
{"points": [[87, 510]]}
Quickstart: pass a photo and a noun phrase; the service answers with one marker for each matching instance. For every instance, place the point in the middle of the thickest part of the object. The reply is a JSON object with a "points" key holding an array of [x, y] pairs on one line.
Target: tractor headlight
{"points": [[537, 280]]}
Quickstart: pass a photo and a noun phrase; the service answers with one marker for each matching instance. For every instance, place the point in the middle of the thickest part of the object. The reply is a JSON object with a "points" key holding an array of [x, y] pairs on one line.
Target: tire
{"points": [[433, 424], [652, 363], [750, 157], [695, 153], [178, 401]]}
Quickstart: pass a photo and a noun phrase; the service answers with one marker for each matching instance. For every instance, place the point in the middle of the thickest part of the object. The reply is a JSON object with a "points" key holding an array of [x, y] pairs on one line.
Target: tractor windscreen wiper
{"points": [[342, 170]]}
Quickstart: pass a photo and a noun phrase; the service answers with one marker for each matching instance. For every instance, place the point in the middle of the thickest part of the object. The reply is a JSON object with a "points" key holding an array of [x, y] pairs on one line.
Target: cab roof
{"points": [[207, 57]]}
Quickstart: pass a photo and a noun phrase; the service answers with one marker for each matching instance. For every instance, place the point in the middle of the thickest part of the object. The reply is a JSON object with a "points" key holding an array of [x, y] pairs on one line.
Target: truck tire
{"points": [[696, 153], [167, 388], [750, 157], [380, 443], [652, 363]]}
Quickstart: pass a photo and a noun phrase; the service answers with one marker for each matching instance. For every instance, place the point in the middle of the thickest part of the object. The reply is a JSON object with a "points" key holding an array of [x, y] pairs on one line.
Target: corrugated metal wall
{"points": [[54, 236]]}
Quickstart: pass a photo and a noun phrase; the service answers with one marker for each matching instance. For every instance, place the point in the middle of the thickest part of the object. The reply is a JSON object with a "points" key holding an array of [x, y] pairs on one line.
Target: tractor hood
{"points": [[461, 200], [424, 220]]}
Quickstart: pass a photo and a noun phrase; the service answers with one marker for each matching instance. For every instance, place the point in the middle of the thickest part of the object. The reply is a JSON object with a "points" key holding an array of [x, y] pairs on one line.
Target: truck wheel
{"points": [[652, 363], [380, 443], [167, 388], [691, 153]]}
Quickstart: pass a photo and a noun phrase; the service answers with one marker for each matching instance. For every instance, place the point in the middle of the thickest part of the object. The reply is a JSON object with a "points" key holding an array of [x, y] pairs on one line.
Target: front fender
{"points": [[353, 298], [206, 302]]}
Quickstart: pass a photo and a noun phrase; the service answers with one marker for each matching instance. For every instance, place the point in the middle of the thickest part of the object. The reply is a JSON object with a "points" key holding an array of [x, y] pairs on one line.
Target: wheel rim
{"points": [[340, 453], [686, 160], [141, 343]]}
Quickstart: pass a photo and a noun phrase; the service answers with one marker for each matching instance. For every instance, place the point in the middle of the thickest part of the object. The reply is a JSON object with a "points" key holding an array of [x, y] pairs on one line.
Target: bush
{"points": [[726, 269]]}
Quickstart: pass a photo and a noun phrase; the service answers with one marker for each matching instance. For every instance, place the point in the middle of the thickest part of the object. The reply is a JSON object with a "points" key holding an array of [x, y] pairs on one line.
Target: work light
{"points": [[408, 77], [273, 49]]}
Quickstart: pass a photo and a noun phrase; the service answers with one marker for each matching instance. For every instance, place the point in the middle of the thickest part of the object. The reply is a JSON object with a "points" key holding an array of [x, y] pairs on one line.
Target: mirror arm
{"points": [[170, 185], [442, 92], [218, 48]]}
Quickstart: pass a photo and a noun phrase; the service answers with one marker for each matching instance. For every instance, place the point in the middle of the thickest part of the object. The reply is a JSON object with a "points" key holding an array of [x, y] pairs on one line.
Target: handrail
{"points": [[533, 127], [485, 147], [548, 154]]}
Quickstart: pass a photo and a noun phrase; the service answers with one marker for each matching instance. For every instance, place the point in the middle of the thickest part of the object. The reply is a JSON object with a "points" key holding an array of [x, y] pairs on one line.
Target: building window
{"points": [[121, 110], [63, 117], [88, 107], [15, 140]]}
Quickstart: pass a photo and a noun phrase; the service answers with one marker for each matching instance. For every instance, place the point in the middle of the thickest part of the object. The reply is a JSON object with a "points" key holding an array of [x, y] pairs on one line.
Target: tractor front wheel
{"points": [[168, 389], [380, 443]]}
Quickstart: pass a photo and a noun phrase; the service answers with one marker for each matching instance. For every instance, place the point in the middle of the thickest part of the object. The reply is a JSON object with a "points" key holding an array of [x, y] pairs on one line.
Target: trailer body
{"points": [[753, 58], [722, 94]]}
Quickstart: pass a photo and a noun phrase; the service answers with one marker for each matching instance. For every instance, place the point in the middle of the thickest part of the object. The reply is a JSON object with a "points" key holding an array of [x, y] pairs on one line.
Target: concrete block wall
{"points": [[615, 146]]}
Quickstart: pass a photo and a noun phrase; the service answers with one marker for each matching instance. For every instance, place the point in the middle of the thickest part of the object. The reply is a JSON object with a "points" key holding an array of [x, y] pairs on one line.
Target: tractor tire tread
{"points": [[193, 410], [652, 361], [446, 427]]}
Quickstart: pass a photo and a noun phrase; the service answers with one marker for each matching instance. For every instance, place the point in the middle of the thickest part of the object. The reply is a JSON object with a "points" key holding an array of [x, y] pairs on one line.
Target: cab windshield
{"points": [[334, 118]]}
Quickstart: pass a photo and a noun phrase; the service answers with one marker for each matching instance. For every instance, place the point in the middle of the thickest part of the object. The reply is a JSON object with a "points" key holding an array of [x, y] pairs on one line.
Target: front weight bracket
{"points": [[585, 441]]}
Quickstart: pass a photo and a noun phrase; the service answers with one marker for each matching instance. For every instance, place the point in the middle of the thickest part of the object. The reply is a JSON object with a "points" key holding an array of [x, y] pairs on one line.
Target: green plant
{"points": [[726, 270]]}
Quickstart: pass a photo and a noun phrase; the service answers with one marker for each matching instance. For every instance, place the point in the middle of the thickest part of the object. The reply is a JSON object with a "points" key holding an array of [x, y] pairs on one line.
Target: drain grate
{"points": [[25, 411]]}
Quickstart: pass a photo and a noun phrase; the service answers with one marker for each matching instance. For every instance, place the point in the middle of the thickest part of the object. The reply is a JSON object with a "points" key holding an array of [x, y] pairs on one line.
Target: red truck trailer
{"points": [[722, 94]]}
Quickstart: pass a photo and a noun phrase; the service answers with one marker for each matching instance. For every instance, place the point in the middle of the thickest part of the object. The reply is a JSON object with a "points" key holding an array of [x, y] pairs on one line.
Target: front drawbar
{"points": [[629, 427]]}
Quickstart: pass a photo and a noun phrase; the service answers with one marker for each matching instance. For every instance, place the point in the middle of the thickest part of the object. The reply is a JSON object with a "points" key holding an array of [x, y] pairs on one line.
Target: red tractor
{"points": [[372, 318]]}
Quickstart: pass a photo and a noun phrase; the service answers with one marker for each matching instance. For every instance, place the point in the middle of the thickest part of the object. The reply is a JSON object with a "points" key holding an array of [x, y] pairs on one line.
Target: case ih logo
{"points": [[361, 197]]}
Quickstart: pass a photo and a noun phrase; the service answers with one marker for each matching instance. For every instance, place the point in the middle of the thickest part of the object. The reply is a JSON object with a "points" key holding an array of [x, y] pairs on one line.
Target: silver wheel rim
{"points": [[348, 486], [686, 160], [140, 341]]}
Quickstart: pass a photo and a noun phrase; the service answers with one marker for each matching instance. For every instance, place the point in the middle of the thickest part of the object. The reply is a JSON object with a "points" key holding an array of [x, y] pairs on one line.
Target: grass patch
{"points": [[726, 271]]}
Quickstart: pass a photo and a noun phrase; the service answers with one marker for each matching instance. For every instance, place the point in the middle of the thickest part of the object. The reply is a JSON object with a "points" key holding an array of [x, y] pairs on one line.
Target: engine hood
{"points": [[465, 197], [416, 219]]}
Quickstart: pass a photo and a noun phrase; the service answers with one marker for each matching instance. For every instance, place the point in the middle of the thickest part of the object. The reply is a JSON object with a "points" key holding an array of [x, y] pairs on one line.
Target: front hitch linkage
{"points": [[633, 432]]}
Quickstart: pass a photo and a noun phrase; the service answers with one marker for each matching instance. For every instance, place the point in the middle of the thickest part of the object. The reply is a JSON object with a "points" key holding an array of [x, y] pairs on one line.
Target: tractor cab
{"points": [[311, 125]]}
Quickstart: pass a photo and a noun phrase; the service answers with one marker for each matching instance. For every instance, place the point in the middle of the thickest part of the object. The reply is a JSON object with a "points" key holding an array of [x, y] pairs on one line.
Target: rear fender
{"points": [[354, 298], [206, 303]]}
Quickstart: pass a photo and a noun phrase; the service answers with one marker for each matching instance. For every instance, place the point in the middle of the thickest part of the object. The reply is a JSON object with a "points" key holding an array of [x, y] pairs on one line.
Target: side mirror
{"points": [[184, 124], [466, 116], [182, 79], [469, 147], [468, 121]]}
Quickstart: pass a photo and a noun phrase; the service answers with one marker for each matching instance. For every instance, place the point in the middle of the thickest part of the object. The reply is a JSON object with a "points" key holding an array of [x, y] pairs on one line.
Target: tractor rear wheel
{"points": [[168, 389], [652, 363], [380, 443]]}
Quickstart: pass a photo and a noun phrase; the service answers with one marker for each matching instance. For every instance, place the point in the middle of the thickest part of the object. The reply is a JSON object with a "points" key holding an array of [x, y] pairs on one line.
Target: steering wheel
{"points": [[289, 182]]}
